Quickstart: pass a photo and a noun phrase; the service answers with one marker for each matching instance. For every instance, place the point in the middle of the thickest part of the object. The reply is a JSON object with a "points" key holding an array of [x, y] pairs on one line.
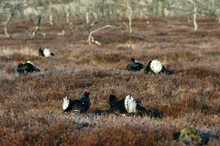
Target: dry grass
{"points": [[31, 105]]}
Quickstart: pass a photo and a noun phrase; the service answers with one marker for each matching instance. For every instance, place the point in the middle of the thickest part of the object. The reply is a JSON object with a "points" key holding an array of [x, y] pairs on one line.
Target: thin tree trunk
{"points": [[5, 24]]}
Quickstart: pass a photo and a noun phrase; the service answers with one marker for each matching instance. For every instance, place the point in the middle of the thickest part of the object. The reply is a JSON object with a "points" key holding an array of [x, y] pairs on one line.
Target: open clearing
{"points": [[31, 105]]}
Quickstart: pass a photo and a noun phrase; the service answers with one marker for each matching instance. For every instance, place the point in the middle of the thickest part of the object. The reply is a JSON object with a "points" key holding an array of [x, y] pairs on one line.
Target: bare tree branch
{"points": [[63, 31], [194, 14], [37, 28], [10, 11], [129, 16], [91, 40], [5, 25]]}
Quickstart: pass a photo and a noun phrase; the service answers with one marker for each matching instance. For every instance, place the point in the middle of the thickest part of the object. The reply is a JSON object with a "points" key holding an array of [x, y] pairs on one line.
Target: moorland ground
{"points": [[31, 105]]}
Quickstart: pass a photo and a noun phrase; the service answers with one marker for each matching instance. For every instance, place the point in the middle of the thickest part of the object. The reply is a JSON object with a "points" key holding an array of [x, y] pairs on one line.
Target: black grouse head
{"points": [[85, 99], [132, 58], [148, 69], [20, 64], [85, 95], [20, 68], [87, 92], [112, 99], [134, 65], [41, 52], [77, 106]]}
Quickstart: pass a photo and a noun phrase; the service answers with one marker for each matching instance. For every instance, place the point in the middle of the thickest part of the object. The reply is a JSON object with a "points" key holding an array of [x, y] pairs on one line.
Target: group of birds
{"points": [[154, 66], [125, 106], [29, 67]]}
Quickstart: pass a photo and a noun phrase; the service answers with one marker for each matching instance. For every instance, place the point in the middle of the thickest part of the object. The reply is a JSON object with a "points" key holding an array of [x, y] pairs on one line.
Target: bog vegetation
{"points": [[184, 106]]}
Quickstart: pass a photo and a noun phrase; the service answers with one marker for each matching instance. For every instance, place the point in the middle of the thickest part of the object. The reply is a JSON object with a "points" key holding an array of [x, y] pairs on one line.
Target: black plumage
{"points": [[134, 65], [77, 106], [119, 107], [116, 105], [41, 52], [26, 68]]}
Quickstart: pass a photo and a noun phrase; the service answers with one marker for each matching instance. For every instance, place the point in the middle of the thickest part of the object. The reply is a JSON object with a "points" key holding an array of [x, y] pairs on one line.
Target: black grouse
{"points": [[26, 68], [126, 105], [45, 53], [134, 65], [156, 67], [77, 106]]}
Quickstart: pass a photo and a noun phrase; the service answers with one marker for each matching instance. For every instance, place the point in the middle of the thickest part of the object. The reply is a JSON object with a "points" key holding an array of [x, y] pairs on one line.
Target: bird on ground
{"points": [[134, 65], [126, 105], [77, 106], [156, 67], [26, 68], [45, 52]]}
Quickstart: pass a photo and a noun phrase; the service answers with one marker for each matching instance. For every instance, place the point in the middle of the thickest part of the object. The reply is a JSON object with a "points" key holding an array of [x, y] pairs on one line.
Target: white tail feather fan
{"points": [[46, 52], [66, 103], [156, 66], [130, 104], [30, 62]]}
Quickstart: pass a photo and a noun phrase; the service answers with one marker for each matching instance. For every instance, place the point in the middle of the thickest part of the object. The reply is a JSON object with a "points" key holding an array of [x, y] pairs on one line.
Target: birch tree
{"points": [[194, 13]]}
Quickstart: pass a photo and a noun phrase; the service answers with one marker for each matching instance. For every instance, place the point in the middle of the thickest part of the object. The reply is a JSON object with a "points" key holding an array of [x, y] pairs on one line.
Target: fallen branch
{"points": [[91, 40]]}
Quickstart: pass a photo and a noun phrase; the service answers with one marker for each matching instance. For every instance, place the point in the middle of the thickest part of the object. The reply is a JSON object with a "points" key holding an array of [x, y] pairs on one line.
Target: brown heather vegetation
{"points": [[31, 105]]}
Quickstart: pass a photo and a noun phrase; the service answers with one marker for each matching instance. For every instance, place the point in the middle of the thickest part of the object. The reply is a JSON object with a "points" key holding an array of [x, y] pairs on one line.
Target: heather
{"points": [[31, 105]]}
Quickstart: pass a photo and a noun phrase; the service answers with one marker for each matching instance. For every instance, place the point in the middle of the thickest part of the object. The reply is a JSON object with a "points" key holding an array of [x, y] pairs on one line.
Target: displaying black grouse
{"points": [[27, 67], [156, 67], [45, 53], [126, 105], [134, 65], [77, 106]]}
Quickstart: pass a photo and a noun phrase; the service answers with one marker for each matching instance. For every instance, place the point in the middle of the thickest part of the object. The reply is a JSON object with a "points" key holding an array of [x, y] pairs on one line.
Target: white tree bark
{"points": [[9, 12], [91, 40], [194, 15], [5, 25], [129, 16]]}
